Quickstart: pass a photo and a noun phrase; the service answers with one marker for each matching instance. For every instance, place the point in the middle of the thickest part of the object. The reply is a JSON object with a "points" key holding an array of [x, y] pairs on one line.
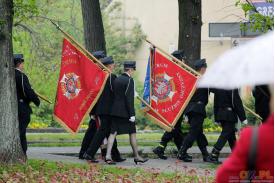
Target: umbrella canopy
{"points": [[247, 65]]}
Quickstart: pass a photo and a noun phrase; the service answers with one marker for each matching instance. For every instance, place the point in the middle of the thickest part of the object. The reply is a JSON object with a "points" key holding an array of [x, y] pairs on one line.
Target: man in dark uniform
{"points": [[89, 135], [92, 124], [261, 94], [103, 111], [176, 133], [228, 107], [25, 95], [196, 113]]}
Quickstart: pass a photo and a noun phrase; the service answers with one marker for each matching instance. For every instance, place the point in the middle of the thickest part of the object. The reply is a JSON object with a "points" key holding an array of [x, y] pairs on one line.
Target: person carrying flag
{"points": [[25, 95], [196, 113], [90, 132], [176, 133], [103, 111]]}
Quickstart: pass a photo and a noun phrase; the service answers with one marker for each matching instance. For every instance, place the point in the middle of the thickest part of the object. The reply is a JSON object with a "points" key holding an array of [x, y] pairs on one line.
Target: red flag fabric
{"points": [[80, 84], [171, 89]]}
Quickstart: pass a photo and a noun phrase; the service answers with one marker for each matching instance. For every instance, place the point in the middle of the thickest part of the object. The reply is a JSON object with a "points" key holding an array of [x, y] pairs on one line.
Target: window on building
{"points": [[231, 29]]}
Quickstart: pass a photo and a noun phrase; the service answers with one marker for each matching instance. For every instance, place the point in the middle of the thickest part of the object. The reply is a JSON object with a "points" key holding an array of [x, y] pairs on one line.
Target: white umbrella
{"points": [[247, 65]]}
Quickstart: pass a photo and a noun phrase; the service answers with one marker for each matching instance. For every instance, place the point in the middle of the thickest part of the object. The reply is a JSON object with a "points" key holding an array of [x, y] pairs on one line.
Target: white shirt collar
{"points": [[127, 74], [18, 69]]}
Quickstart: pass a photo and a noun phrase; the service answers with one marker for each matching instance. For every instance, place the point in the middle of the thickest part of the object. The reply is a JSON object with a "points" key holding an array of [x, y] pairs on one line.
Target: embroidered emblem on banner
{"points": [[163, 88], [70, 85]]}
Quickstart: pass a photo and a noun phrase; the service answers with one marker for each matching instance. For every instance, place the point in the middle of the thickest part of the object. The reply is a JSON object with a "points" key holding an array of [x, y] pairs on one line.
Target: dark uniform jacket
{"points": [[262, 98], [105, 102], [198, 102], [25, 93], [124, 94], [228, 106]]}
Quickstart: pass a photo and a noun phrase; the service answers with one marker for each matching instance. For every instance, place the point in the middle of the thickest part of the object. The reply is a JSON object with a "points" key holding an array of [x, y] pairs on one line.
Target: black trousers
{"points": [[24, 120], [88, 137], [195, 133], [175, 134], [101, 133], [227, 135]]}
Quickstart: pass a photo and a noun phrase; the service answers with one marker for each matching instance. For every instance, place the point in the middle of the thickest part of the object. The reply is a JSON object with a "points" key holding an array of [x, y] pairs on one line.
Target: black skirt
{"points": [[122, 126]]}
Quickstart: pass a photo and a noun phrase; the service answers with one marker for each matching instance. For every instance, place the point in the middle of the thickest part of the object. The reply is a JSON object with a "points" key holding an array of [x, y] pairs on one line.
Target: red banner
{"points": [[80, 84], [171, 89]]}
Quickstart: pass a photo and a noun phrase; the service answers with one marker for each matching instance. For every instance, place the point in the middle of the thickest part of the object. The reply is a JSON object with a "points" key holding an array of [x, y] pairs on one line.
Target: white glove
{"points": [[245, 122], [186, 118], [132, 119], [92, 117], [217, 123]]}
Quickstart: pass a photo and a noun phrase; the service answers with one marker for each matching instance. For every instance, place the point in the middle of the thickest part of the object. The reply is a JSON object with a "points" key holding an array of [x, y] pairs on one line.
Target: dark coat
{"points": [[105, 102], [25, 93], [124, 94], [262, 98], [228, 106], [198, 102]]}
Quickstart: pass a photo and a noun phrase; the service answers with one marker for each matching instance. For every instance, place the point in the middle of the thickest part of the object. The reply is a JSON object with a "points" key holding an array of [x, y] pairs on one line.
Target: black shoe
{"points": [[119, 159], [207, 159], [140, 160], [159, 151], [185, 157], [80, 156], [189, 156], [214, 160], [214, 157], [175, 152], [89, 158]]}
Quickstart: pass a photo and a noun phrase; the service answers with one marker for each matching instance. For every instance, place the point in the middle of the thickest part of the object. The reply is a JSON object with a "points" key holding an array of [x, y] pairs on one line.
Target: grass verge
{"points": [[66, 139], [45, 171]]}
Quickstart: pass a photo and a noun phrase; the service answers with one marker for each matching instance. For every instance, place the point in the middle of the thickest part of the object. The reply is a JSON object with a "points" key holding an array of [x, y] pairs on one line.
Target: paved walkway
{"points": [[68, 154]]}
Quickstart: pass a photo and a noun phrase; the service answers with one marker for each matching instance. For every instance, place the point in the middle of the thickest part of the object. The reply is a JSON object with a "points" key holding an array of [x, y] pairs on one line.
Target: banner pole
{"points": [[252, 112], [151, 108], [43, 97], [175, 59], [81, 47], [150, 77]]}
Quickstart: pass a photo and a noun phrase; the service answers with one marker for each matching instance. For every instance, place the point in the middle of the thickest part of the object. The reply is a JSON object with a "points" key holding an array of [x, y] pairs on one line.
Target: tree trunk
{"points": [[190, 23], [93, 25], [10, 147]]}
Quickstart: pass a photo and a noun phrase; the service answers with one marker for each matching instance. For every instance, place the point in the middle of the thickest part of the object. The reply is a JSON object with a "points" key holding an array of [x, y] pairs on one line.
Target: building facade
{"points": [[159, 22]]}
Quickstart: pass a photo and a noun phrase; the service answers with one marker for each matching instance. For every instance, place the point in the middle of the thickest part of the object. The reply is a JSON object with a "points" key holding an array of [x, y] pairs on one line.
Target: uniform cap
{"points": [[18, 58], [198, 64], [107, 60], [179, 54], [99, 54], [129, 64]]}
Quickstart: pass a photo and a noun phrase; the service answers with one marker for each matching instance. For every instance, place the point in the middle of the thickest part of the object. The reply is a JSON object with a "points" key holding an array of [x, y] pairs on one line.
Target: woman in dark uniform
{"points": [[123, 111]]}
